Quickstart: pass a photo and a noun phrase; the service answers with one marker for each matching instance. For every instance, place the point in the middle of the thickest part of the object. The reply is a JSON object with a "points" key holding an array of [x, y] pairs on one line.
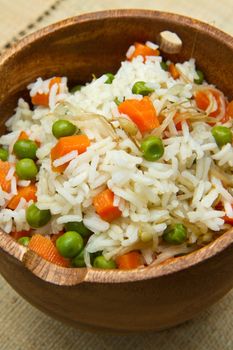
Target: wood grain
{"points": [[151, 298]]}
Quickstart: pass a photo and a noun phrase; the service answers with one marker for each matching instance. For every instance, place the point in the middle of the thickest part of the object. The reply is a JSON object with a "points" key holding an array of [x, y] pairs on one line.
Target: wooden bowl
{"points": [[147, 299]]}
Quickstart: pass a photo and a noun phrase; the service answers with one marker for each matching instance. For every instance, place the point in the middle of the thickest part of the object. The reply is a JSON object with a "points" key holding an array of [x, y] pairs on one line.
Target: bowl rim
{"points": [[73, 276]]}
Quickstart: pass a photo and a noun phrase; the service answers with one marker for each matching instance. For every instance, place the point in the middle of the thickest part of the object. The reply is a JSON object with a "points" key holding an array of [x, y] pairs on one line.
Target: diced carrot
{"points": [[23, 136], [142, 113], [229, 112], [202, 98], [66, 145], [129, 261], [179, 123], [4, 168], [43, 99], [228, 220], [18, 234], [103, 203], [28, 193], [144, 51], [45, 248], [174, 71]]}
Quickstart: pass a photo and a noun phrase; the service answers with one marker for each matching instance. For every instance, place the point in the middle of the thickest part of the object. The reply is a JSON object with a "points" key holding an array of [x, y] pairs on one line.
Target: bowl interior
{"points": [[95, 44]]}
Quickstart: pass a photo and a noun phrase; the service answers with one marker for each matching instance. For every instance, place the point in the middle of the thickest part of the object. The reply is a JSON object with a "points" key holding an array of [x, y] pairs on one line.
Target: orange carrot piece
{"points": [[202, 100], [45, 248], [43, 99], [28, 193], [142, 113], [66, 145], [229, 112], [129, 261], [174, 71], [4, 168], [143, 50], [103, 203], [18, 234], [179, 123], [23, 136]]}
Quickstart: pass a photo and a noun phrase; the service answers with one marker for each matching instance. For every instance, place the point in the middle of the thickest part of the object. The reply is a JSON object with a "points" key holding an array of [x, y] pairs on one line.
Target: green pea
{"points": [[78, 227], [200, 78], [78, 261], [76, 88], [63, 128], [26, 169], [110, 79], [140, 88], [101, 263], [222, 135], [70, 244], [25, 149], [24, 241], [176, 234], [152, 148], [36, 217], [4, 154], [164, 65]]}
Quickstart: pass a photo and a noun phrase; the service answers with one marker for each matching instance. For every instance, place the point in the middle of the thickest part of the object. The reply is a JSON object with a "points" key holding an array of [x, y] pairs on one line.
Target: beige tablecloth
{"points": [[22, 327]]}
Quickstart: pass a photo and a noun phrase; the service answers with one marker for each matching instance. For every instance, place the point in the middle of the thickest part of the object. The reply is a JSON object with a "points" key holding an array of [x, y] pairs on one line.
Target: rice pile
{"points": [[183, 186]]}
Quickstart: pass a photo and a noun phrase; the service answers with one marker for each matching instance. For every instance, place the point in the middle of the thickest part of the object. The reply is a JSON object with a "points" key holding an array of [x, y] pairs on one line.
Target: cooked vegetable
{"points": [[78, 227], [176, 234], [144, 51], [203, 99], [222, 135], [128, 126], [25, 149], [142, 113], [43, 99], [164, 65], [173, 71], [4, 154], [23, 136], [140, 88], [66, 145], [4, 168], [28, 193], [63, 128], [24, 241], [26, 169], [152, 148], [131, 260], [78, 261], [101, 262], [110, 79], [45, 248], [117, 101], [76, 88], [200, 78], [229, 111], [69, 244], [103, 203], [170, 42], [36, 217]]}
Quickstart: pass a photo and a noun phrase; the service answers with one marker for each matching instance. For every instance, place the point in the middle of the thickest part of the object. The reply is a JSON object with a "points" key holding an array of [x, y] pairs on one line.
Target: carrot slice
{"points": [[202, 100], [144, 51], [45, 248], [66, 145], [129, 261], [18, 234], [229, 112], [28, 193], [4, 168], [178, 124], [142, 113], [23, 136], [43, 99], [174, 71], [103, 203]]}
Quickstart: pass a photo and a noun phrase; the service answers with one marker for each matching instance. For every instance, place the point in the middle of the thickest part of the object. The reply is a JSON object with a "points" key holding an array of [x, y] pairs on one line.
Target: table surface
{"points": [[24, 327]]}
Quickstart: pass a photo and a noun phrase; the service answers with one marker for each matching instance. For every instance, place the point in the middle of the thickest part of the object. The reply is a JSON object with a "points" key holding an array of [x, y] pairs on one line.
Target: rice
{"points": [[180, 187]]}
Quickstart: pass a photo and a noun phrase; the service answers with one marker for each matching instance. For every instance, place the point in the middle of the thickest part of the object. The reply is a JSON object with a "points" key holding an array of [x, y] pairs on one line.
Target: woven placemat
{"points": [[22, 327]]}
